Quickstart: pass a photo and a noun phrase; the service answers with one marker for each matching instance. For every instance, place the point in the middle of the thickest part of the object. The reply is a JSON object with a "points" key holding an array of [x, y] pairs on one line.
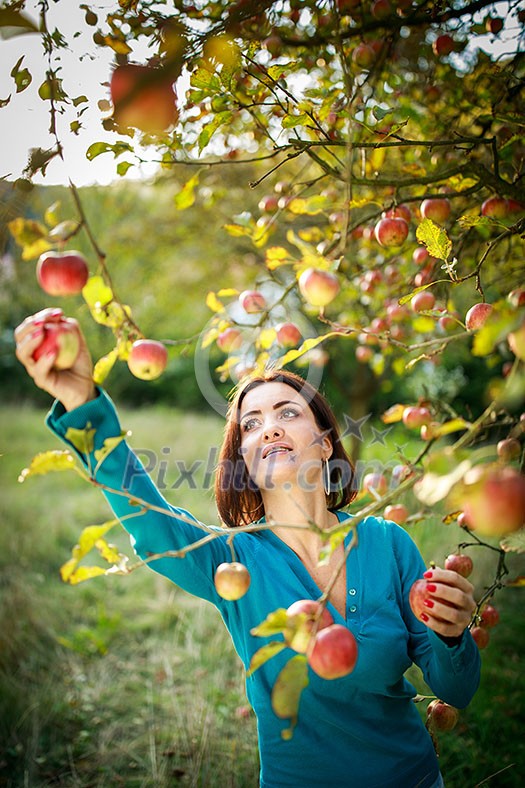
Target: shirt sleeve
{"points": [[451, 671], [155, 526]]}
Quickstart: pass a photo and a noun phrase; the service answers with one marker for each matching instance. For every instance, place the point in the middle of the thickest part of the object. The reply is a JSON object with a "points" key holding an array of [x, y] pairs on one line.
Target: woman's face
{"points": [[280, 441]]}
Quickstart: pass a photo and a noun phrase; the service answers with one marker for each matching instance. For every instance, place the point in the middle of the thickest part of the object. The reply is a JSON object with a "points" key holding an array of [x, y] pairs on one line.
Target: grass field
{"points": [[126, 681]]}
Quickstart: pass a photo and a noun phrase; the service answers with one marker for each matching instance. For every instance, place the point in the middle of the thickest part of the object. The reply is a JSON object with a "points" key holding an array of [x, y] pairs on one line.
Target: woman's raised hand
{"points": [[73, 386], [448, 602]]}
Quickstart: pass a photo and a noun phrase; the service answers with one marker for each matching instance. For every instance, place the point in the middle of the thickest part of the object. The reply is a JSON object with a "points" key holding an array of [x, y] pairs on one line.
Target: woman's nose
{"points": [[272, 433]]}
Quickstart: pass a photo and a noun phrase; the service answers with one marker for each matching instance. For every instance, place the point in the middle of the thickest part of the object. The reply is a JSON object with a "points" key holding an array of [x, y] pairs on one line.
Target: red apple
{"points": [[143, 97], [420, 255], [381, 9], [436, 208], [252, 301], [61, 338], [494, 25], [443, 45], [418, 593], [304, 616], [477, 316], [333, 652], [147, 359], [229, 339], [517, 297], [492, 498], [481, 636], [429, 431], [318, 287], [232, 580], [441, 715], [376, 482], [391, 232], [508, 449], [62, 273], [269, 204], [496, 207], [363, 354], [396, 512], [396, 312], [414, 417], [489, 617], [288, 335], [364, 56], [516, 340], [399, 212], [460, 563], [422, 301]]}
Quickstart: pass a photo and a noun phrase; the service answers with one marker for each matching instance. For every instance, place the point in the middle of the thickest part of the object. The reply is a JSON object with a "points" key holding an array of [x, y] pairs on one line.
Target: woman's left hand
{"points": [[450, 602]]}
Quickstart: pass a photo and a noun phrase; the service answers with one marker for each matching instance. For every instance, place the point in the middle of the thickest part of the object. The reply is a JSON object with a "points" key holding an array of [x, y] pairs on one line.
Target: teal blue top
{"points": [[362, 730]]}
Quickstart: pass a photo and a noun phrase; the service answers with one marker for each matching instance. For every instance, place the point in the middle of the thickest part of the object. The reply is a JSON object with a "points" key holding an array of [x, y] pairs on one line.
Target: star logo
{"points": [[322, 435], [378, 436], [353, 426]]}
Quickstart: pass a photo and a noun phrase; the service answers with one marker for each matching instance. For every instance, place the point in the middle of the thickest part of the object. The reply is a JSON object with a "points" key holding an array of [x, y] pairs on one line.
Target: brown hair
{"points": [[239, 500]]}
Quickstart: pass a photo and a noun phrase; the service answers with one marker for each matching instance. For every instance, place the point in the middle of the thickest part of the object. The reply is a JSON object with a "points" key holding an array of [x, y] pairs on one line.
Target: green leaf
{"points": [[274, 624], [109, 445], [290, 121], [514, 543], [406, 298], [12, 23], [123, 167], [210, 128], [186, 197], [22, 77], [48, 461], [97, 148], [435, 239], [379, 113], [287, 690], [265, 653], [310, 206], [202, 79], [82, 439]]}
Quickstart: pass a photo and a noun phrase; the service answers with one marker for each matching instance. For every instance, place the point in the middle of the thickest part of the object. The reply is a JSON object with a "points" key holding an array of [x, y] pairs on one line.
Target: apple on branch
{"points": [[333, 652], [436, 208], [232, 580], [397, 512], [62, 273], [305, 617], [288, 335], [477, 316], [492, 498], [229, 339], [147, 359], [143, 97], [252, 301], [318, 287], [391, 232], [60, 337], [441, 715], [423, 301]]}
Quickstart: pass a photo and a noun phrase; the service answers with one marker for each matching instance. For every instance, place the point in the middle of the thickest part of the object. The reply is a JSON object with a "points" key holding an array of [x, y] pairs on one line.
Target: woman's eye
{"points": [[248, 425], [289, 412]]}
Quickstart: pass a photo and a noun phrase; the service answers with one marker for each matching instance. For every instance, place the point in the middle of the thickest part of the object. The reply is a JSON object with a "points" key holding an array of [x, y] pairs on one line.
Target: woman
{"points": [[362, 729]]}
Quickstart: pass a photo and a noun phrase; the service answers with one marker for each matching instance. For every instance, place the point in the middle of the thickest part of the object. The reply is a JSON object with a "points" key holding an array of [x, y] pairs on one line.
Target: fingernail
{"points": [[424, 617], [428, 574], [428, 603], [431, 587]]}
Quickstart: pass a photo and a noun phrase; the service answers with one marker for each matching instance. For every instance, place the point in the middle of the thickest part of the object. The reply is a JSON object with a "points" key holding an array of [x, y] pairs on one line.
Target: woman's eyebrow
{"points": [[274, 407]]}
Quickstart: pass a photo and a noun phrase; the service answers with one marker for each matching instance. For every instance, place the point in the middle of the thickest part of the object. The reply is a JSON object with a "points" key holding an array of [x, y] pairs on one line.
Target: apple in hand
{"points": [[333, 652], [232, 580], [318, 287], [441, 715], [143, 97], [61, 338], [418, 593], [460, 563], [303, 616], [147, 359], [62, 273]]}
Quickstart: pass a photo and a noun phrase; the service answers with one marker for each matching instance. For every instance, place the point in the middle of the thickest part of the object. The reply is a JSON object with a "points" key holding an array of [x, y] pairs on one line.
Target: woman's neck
{"points": [[298, 508]]}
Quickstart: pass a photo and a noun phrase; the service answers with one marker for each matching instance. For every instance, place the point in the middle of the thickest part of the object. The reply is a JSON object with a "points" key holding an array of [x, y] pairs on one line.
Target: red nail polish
{"points": [[431, 587], [428, 603], [428, 574], [424, 617]]}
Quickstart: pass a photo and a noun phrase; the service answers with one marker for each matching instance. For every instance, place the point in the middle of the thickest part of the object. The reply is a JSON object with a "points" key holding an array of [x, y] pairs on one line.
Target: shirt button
{"points": [[353, 608], [352, 592]]}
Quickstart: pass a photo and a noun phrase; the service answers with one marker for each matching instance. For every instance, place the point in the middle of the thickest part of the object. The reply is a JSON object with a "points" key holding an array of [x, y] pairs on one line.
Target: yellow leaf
{"points": [[109, 552], [213, 303], [81, 439], [393, 413], [286, 692], [84, 573], [186, 197], [47, 461], [34, 250], [26, 231], [67, 569], [265, 653], [276, 256], [266, 338], [104, 366], [307, 345], [423, 324], [210, 337], [435, 239], [310, 205], [96, 292], [375, 160], [228, 292], [454, 425], [89, 536]]}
